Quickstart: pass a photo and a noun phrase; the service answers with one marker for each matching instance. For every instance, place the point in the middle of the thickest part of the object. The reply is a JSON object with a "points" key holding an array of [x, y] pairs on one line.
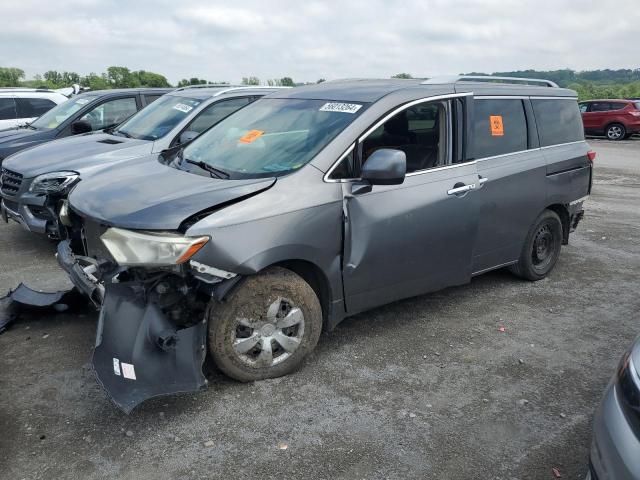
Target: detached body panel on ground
{"points": [[331, 200]]}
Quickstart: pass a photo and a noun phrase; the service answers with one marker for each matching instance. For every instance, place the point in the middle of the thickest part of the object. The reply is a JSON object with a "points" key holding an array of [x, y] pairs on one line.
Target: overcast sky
{"points": [[308, 40]]}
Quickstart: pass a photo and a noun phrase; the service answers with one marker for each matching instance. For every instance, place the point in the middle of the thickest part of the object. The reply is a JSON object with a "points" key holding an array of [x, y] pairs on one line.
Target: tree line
{"points": [[117, 77], [607, 83]]}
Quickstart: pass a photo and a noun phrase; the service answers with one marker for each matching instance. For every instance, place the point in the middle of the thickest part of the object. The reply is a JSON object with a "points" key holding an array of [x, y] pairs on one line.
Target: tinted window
{"points": [[151, 98], [417, 131], [214, 113], [111, 113], [618, 105], [500, 127], [559, 121], [600, 106], [584, 107], [33, 107], [7, 109]]}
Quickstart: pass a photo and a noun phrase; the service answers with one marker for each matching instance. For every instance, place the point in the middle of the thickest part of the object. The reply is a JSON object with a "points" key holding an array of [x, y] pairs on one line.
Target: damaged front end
{"points": [[152, 329]]}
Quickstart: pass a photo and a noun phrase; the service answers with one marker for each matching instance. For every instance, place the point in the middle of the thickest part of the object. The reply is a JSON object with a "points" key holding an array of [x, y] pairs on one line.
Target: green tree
{"points": [[402, 75], [149, 79], [250, 81], [287, 82], [10, 77], [120, 77], [321, 80]]}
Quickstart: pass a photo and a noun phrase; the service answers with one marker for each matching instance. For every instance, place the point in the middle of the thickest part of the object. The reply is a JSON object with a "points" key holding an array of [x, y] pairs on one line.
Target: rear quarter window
{"points": [[499, 127], [618, 105], [558, 121]]}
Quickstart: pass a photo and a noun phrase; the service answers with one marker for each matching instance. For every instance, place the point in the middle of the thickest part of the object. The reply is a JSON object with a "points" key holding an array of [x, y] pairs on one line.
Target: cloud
{"points": [[313, 39]]}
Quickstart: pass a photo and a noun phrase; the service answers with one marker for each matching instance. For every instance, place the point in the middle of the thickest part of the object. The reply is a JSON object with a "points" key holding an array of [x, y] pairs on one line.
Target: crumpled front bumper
{"points": [[139, 353], [32, 213]]}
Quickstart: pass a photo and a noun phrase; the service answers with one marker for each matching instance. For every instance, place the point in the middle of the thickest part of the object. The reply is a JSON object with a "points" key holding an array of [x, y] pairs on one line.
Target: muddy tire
{"points": [[541, 248], [266, 327]]}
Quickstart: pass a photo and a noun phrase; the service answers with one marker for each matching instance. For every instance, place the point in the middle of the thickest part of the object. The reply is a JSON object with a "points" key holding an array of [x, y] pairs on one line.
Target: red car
{"points": [[617, 119]]}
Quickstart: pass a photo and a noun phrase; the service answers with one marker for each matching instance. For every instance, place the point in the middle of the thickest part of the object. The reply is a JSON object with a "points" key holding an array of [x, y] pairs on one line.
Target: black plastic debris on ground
{"points": [[24, 298]]}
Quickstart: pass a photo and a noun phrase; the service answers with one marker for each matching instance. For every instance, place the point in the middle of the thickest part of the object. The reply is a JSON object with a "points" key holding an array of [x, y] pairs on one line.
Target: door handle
{"points": [[481, 181], [461, 189]]}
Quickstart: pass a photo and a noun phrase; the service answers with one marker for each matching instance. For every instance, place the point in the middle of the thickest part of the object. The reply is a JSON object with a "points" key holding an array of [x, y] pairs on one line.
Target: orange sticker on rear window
{"points": [[497, 129], [251, 136]]}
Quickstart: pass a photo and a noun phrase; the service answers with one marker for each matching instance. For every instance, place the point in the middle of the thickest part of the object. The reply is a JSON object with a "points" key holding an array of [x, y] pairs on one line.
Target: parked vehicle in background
{"points": [[615, 449], [34, 182], [616, 119], [19, 106], [87, 112], [314, 204]]}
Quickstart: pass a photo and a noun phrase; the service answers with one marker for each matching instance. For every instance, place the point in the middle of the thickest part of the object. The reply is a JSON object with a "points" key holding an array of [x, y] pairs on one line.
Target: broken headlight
{"points": [[54, 182], [130, 248]]}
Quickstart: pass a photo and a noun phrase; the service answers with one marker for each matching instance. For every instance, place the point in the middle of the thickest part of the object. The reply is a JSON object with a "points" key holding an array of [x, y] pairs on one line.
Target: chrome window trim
{"points": [[500, 97], [507, 154], [533, 97], [437, 169], [335, 165], [561, 144], [383, 120]]}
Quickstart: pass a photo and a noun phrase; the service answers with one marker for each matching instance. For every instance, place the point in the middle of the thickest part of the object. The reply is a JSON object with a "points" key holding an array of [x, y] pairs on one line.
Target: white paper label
{"points": [[116, 366], [82, 101], [340, 107], [183, 108], [128, 371]]}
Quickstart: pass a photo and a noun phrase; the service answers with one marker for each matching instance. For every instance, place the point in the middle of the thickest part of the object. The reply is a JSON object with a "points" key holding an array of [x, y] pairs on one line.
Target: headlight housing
{"points": [[130, 248], [54, 182]]}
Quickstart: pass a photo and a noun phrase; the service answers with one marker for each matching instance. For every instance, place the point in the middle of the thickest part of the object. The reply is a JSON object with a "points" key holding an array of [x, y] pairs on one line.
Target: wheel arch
{"points": [[563, 212]]}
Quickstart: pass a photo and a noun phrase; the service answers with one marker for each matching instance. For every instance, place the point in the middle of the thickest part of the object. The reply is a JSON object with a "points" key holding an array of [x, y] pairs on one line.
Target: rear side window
{"points": [[7, 109], [600, 106], [151, 98], [559, 121], [618, 105], [33, 107], [500, 127]]}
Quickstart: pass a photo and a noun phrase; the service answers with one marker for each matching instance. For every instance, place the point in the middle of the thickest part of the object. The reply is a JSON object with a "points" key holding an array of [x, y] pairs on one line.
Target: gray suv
{"points": [[314, 204], [35, 181]]}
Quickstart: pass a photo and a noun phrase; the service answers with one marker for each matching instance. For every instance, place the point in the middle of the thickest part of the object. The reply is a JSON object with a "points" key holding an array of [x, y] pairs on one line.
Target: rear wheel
{"points": [[541, 247], [616, 131], [266, 328]]}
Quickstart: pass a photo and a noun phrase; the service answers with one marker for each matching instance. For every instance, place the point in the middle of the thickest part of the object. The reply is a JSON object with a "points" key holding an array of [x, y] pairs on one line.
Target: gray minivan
{"points": [[314, 204]]}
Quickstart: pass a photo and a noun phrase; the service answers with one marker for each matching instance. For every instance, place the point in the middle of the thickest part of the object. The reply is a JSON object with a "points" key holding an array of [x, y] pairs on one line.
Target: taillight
{"points": [[591, 155]]}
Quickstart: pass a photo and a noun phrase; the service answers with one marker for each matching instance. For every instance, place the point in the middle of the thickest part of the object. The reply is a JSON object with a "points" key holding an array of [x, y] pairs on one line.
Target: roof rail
{"points": [[487, 78], [204, 85], [248, 87]]}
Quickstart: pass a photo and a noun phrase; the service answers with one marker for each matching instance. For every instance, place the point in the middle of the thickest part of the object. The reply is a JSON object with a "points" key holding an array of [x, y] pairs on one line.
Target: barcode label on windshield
{"points": [[183, 108], [340, 107]]}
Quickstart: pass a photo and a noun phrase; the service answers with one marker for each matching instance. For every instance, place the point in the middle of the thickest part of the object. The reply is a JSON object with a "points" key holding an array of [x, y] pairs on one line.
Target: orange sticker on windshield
{"points": [[497, 129], [251, 136]]}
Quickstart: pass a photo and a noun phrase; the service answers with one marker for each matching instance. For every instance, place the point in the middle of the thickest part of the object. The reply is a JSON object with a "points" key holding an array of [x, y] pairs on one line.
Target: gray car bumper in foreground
{"points": [[139, 353], [615, 449]]}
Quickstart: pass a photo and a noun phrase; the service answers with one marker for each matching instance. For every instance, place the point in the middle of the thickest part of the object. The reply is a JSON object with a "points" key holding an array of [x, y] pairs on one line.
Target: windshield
{"points": [[61, 112], [159, 118], [271, 137]]}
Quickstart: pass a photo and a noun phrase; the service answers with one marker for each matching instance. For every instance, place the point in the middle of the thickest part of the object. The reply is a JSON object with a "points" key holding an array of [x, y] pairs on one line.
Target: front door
{"points": [[405, 240]]}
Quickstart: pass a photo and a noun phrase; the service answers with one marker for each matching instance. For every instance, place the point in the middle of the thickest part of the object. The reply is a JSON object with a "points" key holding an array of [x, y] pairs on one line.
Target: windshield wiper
{"points": [[27, 125], [120, 133], [213, 171]]}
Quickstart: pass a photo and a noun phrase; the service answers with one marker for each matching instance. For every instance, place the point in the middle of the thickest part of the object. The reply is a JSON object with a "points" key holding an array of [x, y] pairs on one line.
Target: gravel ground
{"points": [[424, 388]]}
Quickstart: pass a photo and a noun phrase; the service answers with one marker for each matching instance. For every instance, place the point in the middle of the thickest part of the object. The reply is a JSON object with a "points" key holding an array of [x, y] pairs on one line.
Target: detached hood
{"points": [[73, 153], [147, 195]]}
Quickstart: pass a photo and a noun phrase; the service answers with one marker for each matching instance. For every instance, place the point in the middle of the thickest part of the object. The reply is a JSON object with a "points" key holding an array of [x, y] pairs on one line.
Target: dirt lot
{"points": [[423, 388]]}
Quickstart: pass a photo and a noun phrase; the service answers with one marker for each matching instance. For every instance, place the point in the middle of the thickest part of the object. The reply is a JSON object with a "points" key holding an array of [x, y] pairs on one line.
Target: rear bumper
{"points": [[615, 449]]}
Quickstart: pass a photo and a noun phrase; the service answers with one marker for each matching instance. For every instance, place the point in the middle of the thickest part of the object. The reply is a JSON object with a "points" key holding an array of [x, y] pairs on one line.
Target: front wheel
{"points": [[541, 247], [616, 131], [266, 328]]}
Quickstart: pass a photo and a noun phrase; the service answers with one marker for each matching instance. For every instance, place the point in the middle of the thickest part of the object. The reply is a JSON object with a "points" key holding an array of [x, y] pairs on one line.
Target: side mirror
{"points": [[80, 126], [187, 136], [385, 166]]}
